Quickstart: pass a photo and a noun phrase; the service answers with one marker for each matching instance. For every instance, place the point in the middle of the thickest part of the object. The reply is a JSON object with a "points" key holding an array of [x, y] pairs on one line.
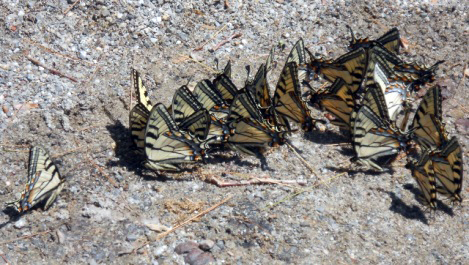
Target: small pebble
{"points": [[20, 224], [60, 237], [160, 250], [191, 257], [186, 247], [206, 244]]}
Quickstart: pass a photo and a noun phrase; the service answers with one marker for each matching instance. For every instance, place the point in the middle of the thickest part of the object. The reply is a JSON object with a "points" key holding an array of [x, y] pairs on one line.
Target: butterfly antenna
{"points": [[353, 41]]}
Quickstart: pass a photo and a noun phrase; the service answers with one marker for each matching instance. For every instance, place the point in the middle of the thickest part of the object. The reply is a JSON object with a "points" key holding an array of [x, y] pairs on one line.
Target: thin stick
{"points": [[52, 71], [70, 8], [15, 151], [211, 38], [302, 159], [160, 236], [199, 63], [301, 191], [255, 181], [5, 259], [68, 152], [25, 237], [16, 145], [100, 169], [223, 42], [49, 50]]}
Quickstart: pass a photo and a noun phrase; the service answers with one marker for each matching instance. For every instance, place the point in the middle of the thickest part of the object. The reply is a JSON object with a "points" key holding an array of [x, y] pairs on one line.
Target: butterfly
{"points": [[44, 181], [165, 145], [138, 116]]}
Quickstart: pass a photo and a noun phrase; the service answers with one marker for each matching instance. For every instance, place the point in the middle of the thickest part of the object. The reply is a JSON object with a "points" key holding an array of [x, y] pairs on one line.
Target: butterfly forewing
{"points": [[184, 104], [140, 90]]}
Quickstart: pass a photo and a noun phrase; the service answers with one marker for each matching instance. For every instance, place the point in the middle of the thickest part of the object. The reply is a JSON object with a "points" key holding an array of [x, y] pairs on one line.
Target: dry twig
{"points": [[211, 38], [52, 71], [25, 237], [302, 159], [160, 236], [100, 169], [225, 41], [286, 198], [49, 50], [5, 259], [254, 181], [208, 68], [72, 6], [68, 152]]}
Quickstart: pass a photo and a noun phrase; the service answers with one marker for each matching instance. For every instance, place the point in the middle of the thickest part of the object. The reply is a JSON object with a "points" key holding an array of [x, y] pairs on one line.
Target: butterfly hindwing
{"points": [[165, 145]]}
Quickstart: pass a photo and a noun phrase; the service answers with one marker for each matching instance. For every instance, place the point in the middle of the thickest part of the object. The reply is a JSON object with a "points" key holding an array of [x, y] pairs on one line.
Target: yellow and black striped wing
{"points": [[211, 99], [140, 90], [44, 181], [373, 139], [259, 88], [339, 101], [427, 126], [298, 55], [138, 123], [375, 100], [416, 74], [244, 106], [184, 104], [249, 132], [227, 69], [387, 59], [422, 172], [165, 146], [350, 67], [226, 87], [198, 124], [390, 40], [448, 169], [287, 100]]}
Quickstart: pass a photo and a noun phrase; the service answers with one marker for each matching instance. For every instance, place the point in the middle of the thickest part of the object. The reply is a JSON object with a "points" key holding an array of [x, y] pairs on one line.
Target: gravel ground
{"points": [[110, 204]]}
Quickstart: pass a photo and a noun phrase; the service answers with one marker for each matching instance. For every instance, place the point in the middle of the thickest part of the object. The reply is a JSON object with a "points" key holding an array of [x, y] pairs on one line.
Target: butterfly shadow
{"points": [[409, 212], [219, 156], [129, 157], [439, 204], [353, 171], [327, 137], [13, 215]]}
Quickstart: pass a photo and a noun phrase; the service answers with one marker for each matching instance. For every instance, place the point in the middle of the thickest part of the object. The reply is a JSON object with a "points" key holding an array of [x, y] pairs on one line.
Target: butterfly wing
{"points": [[448, 169], [140, 90], [165, 145]]}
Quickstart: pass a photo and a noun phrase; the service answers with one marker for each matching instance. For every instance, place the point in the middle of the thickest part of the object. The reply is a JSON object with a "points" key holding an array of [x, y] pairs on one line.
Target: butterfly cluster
{"points": [[370, 98], [217, 114]]}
